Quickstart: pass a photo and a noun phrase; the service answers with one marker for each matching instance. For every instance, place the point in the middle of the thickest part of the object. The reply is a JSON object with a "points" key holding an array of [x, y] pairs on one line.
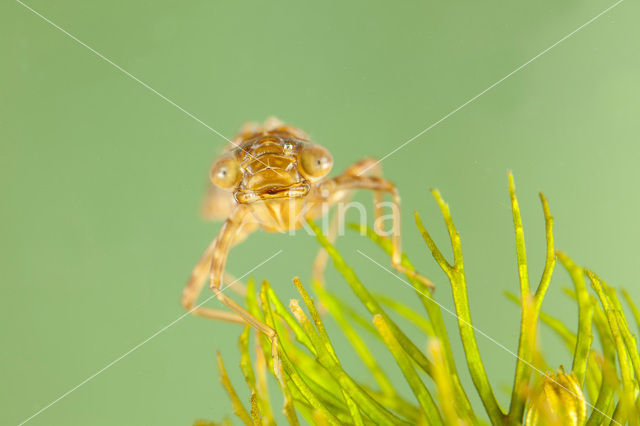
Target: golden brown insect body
{"points": [[273, 177], [272, 181]]}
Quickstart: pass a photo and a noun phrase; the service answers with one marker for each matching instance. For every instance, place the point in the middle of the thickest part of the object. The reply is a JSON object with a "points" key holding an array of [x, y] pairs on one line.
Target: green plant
{"points": [[601, 387]]}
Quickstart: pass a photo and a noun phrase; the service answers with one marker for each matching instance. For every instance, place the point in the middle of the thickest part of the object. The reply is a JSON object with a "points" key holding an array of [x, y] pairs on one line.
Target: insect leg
{"points": [[219, 259], [320, 261], [372, 166], [194, 286], [346, 182], [199, 277]]}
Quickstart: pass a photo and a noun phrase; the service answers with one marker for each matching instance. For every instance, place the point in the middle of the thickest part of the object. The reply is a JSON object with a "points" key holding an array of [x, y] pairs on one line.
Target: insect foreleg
{"points": [[346, 183]]}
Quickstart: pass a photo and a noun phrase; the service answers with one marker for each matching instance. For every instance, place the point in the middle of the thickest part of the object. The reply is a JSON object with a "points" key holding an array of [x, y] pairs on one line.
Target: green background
{"points": [[101, 179]]}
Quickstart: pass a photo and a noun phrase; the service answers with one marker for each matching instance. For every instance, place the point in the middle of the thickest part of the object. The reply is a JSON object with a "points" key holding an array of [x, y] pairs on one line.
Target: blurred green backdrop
{"points": [[101, 179]]}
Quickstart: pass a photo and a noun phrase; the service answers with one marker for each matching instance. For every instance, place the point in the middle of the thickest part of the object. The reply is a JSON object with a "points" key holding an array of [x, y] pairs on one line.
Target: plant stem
{"points": [[419, 390], [435, 315], [585, 315], [530, 302], [238, 408], [457, 279]]}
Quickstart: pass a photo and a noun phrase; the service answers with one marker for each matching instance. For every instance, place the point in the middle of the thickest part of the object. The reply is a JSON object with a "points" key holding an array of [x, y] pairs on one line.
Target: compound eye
{"points": [[225, 172], [316, 162]]}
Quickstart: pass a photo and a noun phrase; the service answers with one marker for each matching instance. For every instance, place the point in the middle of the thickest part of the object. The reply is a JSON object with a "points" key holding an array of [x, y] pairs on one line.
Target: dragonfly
{"points": [[273, 177]]}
